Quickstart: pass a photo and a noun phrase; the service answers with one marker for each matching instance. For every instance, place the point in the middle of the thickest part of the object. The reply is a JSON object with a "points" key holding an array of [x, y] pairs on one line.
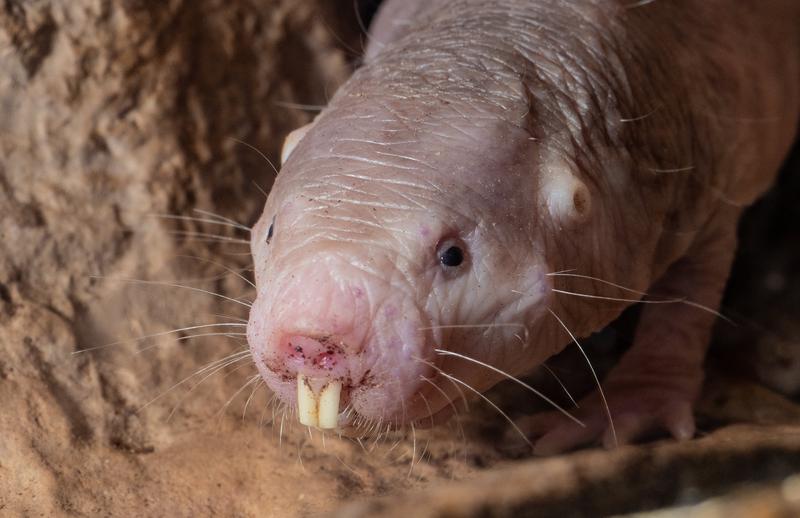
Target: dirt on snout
{"points": [[123, 185]]}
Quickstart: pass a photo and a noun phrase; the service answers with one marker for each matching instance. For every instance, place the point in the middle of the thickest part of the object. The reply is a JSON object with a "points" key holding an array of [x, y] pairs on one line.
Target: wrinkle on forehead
{"points": [[423, 150]]}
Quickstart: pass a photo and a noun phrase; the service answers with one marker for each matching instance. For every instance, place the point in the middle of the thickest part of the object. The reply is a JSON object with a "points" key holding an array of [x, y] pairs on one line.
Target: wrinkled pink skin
{"points": [[610, 140]]}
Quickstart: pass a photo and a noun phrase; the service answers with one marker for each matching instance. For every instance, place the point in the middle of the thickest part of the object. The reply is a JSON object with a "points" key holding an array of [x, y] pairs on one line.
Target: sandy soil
{"points": [[113, 113]]}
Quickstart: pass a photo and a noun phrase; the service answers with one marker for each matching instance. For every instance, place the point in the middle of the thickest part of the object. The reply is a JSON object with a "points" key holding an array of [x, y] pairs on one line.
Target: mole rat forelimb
{"points": [[499, 179]]}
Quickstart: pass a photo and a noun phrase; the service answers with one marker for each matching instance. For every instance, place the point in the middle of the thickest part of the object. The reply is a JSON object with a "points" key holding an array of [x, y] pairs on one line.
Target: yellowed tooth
{"points": [[328, 410], [307, 411]]}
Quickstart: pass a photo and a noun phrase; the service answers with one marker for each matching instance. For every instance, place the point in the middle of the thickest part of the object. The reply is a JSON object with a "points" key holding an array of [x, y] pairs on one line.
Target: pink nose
{"points": [[314, 357]]}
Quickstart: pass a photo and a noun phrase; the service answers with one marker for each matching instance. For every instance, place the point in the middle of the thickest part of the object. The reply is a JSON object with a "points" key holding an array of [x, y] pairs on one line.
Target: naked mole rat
{"points": [[501, 178]]}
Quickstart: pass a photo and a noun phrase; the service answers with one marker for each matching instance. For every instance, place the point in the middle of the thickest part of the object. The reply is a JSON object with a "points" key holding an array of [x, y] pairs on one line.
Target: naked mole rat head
{"points": [[396, 229]]}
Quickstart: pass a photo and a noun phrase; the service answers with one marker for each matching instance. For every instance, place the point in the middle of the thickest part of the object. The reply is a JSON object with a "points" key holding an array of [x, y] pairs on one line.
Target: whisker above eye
{"points": [[242, 142], [208, 220], [209, 237]]}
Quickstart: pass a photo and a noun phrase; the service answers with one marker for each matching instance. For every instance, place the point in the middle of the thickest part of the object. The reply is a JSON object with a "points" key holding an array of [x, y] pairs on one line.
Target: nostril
{"points": [[315, 356]]}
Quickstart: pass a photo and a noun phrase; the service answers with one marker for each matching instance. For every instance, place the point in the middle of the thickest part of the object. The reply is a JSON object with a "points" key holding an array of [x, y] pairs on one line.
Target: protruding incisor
{"points": [[306, 403], [318, 410], [328, 409]]}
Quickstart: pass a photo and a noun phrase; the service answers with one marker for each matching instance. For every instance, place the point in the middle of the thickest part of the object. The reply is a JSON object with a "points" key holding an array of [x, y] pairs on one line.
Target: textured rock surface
{"points": [[598, 483], [112, 113]]}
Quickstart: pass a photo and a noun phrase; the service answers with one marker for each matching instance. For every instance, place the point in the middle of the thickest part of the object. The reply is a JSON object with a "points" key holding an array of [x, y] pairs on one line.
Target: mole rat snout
{"points": [[335, 345]]}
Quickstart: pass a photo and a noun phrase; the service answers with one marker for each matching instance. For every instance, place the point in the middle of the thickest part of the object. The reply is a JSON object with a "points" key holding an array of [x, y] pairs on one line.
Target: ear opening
{"points": [[567, 198]]}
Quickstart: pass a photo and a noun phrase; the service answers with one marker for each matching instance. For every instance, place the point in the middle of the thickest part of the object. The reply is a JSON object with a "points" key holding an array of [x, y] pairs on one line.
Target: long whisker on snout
{"points": [[478, 393], [227, 334], [443, 352], [561, 384], [455, 412], [162, 333], [456, 385], [227, 269], [594, 374], [173, 285], [213, 367], [456, 382]]}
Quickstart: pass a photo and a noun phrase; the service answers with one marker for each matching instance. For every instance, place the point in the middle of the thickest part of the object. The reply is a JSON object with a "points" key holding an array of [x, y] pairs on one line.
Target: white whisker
{"points": [[249, 382], [215, 263], [193, 387], [208, 237], [672, 170], [414, 448], [619, 299], [458, 388], [171, 285], [591, 368], [215, 216], [189, 337], [215, 365], [512, 378], [259, 152], [300, 106], [155, 335], [203, 220], [252, 393], [497, 408], [563, 387], [430, 410], [262, 191], [637, 292], [455, 411]]}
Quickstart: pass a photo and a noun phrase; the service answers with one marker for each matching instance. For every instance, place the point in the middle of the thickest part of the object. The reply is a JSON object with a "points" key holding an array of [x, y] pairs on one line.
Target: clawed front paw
{"points": [[634, 414]]}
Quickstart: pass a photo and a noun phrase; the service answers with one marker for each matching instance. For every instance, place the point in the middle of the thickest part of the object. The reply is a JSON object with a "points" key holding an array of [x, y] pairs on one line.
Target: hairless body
{"points": [[489, 175]]}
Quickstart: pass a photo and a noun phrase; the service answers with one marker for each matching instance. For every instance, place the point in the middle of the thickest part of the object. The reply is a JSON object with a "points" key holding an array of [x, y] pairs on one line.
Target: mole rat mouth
{"points": [[322, 375], [318, 407], [335, 358]]}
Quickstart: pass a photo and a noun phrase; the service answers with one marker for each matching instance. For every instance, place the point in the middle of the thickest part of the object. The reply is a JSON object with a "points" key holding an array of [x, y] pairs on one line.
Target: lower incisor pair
{"points": [[318, 410]]}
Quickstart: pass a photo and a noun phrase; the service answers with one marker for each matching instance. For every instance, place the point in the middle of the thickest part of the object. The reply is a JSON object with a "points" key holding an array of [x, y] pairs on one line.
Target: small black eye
{"points": [[451, 256], [269, 232]]}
